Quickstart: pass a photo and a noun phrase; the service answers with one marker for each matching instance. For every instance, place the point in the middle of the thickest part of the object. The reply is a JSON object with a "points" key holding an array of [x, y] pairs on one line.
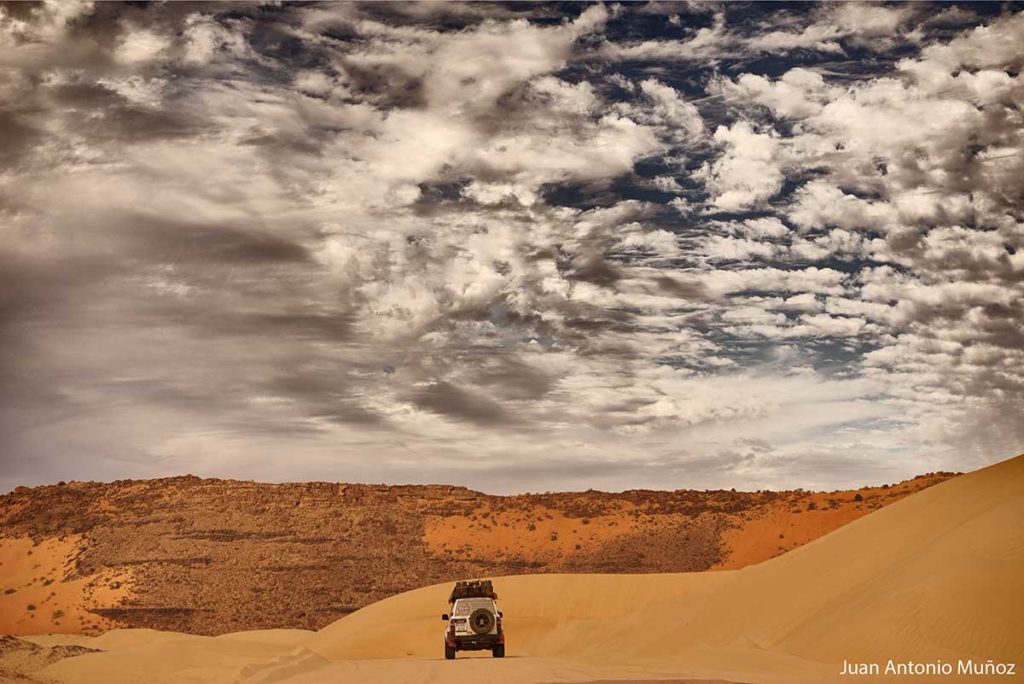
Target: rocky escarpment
{"points": [[210, 556]]}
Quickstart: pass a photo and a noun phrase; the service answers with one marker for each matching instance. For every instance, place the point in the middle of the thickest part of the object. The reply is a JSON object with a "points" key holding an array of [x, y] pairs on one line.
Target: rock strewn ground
{"points": [[20, 659]]}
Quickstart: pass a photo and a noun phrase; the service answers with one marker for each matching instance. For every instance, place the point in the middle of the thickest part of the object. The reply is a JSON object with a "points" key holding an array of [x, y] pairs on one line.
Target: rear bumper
{"points": [[475, 642]]}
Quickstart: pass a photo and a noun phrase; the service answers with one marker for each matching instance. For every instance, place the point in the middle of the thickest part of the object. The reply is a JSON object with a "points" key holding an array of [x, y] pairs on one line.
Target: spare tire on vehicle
{"points": [[481, 621]]}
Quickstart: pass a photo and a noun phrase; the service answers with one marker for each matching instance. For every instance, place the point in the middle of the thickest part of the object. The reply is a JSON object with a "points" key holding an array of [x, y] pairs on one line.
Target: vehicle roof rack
{"points": [[472, 589]]}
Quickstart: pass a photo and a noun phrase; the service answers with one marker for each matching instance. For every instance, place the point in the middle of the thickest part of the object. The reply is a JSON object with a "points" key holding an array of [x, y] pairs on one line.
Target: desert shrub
{"points": [[31, 606], [58, 614], [554, 536], [10, 591], [531, 527], [811, 506], [858, 497]]}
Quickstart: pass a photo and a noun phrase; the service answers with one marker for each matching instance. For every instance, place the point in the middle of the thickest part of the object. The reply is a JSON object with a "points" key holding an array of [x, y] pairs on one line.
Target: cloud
{"points": [[705, 43], [799, 93], [669, 110], [851, 23], [424, 242], [140, 46], [746, 174], [718, 248], [829, 29]]}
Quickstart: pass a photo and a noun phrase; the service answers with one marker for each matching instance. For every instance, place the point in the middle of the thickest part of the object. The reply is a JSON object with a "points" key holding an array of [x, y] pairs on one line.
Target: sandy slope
{"points": [[544, 614], [37, 595], [937, 575]]}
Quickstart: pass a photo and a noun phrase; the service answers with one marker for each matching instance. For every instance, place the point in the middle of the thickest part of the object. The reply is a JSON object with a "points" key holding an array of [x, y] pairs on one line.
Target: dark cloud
{"points": [[460, 404], [512, 379], [16, 138], [170, 240]]}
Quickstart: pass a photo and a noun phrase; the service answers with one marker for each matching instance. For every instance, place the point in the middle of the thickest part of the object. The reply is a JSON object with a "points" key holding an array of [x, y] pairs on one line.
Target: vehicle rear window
{"points": [[467, 606]]}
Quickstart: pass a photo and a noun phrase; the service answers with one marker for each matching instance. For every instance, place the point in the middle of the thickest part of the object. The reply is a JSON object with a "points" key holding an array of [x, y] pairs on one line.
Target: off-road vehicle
{"points": [[474, 621]]}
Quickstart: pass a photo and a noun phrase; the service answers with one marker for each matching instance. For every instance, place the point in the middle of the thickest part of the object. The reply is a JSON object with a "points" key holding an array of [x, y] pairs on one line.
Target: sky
{"points": [[519, 247]]}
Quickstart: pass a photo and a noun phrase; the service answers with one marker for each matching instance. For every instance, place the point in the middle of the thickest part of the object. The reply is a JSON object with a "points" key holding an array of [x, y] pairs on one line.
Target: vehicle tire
{"points": [[481, 621], [498, 651], [449, 652]]}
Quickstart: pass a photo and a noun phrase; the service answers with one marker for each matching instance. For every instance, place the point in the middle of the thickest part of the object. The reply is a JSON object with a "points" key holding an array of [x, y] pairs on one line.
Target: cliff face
{"points": [[212, 556]]}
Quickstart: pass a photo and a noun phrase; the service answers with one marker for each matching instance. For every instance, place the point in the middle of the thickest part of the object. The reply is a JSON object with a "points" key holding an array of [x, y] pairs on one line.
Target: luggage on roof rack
{"points": [[472, 589]]}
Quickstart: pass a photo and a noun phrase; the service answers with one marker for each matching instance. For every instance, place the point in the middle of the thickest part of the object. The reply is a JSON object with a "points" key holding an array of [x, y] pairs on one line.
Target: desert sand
{"points": [[937, 575], [38, 596]]}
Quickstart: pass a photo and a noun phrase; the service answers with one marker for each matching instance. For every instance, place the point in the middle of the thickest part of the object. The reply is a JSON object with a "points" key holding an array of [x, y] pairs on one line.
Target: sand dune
{"points": [[544, 614], [38, 596], [939, 575]]}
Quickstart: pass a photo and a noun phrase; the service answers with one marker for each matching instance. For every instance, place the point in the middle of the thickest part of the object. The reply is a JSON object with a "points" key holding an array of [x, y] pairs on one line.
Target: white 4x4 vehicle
{"points": [[474, 623]]}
